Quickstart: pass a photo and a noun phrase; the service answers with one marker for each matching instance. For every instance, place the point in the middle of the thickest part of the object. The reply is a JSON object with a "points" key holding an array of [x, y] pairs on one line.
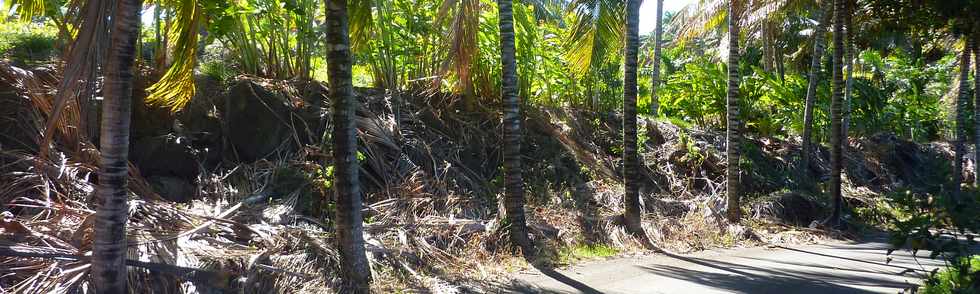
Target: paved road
{"points": [[828, 268]]}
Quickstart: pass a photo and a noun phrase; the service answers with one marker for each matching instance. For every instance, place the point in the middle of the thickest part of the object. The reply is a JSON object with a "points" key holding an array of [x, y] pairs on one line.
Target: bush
{"points": [[961, 278], [27, 43], [937, 223]]}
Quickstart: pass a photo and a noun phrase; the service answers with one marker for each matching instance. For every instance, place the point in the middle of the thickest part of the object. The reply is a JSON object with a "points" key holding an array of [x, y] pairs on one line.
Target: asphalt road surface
{"points": [[838, 267]]}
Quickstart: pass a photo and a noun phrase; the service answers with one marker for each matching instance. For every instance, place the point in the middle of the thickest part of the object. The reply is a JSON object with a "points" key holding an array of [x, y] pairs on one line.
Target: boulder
{"points": [[173, 188], [200, 120], [261, 123], [168, 155], [790, 208]]}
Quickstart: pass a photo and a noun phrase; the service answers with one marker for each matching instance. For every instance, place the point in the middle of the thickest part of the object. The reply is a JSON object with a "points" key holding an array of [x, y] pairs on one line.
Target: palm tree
{"points": [[109, 245], [732, 133], [631, 162], [835, 116], [976, 103], [657, 43], [513, 180], [849, 33], [355, 270], [959, 147], [811, 90]]}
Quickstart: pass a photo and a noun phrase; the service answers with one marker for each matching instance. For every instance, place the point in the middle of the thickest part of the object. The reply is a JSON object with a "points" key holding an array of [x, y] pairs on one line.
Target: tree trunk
{"points": [[849, 67], [658, 42], [513, 180], [355, 270], [959, 146], [811, 91], [780, 67], [976, 106], [109, 246], [835, 116], [631, 162], [732, 135]]}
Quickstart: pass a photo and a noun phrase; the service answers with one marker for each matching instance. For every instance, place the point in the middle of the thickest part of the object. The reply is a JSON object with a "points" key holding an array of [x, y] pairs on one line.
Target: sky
{"points": [[648, 12]]}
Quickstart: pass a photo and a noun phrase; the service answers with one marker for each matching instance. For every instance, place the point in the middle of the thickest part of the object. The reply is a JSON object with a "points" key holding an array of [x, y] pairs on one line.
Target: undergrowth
{"points": [[953, 280], [27, 43]]}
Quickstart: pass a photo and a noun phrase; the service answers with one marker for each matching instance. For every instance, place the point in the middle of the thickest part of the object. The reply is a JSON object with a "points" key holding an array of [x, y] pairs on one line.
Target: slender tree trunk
{"points": [[513, 179], [658, 43], [631, 162], [767, 56], [780, 67], [959, 146], [976, 107], [109, 246], [849, 67], [734, 125], [835, 116], [811, 90], [355, 270]]}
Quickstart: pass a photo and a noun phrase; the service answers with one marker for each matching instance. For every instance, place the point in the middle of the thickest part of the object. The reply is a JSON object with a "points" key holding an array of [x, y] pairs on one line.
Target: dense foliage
{"points": [[753, 73]]}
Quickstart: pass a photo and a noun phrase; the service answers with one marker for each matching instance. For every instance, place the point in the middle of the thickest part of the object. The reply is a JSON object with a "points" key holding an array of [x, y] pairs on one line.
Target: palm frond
{"points": [[709, 17], [596, 33], [85, 58], [176, 87], [361, 23], [25, 10], [548, 10], [463, 33]]}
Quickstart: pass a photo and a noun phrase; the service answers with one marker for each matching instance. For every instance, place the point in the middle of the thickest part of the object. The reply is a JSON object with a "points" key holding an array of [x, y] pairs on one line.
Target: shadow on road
{"points": [[751, 279], [520, 287]]}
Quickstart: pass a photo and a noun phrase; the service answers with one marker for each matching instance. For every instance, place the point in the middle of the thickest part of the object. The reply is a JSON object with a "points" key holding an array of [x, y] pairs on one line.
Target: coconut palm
{"points": [[959, 146], [631, 162], [811, 90], [657, 43], [513, 179], [355, 270], [109, 245], [976, 102], [835, 115], [849, 33], [732, 133]]}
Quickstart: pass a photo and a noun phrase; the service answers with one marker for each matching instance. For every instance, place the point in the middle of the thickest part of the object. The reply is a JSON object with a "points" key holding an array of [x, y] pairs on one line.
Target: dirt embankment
{"points": [[245, 158]]}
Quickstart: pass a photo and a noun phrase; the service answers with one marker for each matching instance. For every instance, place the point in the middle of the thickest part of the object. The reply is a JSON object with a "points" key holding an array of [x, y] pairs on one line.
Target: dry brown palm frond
{"points": [[463, 19]]}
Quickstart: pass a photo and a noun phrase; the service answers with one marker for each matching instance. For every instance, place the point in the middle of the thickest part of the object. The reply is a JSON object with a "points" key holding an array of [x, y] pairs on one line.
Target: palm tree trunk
{"points": [[835, 116], [355, 270], [732, 134], [631, 162], [658, 36], [513, 180], [849, 67], [976, 106], [109, 245], [959, 146], [811, 91]]}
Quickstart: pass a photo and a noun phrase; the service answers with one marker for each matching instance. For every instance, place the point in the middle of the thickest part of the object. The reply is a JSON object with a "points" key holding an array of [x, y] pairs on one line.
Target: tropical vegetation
{"points": [[518, 107]]}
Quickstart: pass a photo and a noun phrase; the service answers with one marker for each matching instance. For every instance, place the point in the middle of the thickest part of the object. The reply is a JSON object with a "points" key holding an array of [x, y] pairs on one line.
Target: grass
{"points": [[580, 252]]}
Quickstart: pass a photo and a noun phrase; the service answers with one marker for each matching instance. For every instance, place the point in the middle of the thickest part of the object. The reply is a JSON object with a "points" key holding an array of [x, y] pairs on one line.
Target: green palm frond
{"points": [[25, 10], [176, 87], [548, 10], [710, 17], [361, 23], [596, 33]]}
